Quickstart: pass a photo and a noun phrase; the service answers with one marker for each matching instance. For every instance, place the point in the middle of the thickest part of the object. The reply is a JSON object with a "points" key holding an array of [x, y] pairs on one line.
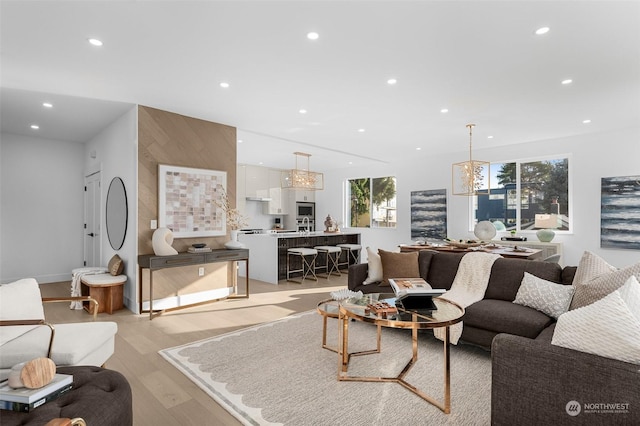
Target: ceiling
{"points": [[479, 59]]}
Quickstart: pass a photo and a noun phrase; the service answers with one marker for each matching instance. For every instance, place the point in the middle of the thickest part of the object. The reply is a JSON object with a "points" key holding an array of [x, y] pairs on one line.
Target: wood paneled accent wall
{"points": [[177, 140]]}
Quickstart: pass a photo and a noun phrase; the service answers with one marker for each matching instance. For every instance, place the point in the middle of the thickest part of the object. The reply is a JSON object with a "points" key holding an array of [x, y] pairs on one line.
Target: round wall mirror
{"points": [[117, 212]]}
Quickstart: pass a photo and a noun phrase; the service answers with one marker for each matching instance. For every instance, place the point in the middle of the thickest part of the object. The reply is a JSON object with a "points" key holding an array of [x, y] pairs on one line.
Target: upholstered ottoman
{"points": [[100, 396]]}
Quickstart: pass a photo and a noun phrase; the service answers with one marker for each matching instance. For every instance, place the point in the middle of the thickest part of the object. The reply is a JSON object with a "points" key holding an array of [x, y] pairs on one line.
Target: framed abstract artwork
{"points": [[429, 214], [188, 201], [620, 212]]}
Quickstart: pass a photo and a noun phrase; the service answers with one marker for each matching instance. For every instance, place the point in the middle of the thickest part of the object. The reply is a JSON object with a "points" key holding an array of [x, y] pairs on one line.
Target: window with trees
{"points": [[527, 195], [372, 202]]}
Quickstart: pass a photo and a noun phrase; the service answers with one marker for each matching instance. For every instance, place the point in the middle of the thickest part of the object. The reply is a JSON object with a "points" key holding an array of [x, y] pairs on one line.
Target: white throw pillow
{"points": [[545, 296], [595, 279], [375, 267], [609, 327]]}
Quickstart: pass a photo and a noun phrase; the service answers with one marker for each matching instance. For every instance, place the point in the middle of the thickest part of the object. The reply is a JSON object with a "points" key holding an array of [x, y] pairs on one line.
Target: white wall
{"points": [[116, 150], [593, 157], [41, 208], [42, 202]]}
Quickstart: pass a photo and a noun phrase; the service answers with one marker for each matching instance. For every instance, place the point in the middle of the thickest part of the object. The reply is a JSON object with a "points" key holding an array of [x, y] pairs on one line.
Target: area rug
{"points": [[278, 374]]}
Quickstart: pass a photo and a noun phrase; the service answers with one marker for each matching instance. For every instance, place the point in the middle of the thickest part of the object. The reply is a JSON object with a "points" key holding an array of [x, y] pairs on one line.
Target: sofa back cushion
{"points": [[507, 274], [443, 268]]}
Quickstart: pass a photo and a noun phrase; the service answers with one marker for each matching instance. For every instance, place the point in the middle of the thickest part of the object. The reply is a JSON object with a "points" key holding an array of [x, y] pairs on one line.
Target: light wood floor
{"points": [[161, 394]]}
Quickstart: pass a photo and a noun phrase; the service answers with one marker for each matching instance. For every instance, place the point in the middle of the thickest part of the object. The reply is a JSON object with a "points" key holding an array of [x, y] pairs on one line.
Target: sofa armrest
{"points": [[356, 275], [534, 381]]}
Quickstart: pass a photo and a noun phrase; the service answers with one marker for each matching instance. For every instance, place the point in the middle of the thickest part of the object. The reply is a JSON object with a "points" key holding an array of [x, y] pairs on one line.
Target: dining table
{"points": [[504, 251]]}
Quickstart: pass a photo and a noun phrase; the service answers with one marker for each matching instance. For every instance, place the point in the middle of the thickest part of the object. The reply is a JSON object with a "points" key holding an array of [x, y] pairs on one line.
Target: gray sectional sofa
{"points": [[533, 381], [494, 314]]}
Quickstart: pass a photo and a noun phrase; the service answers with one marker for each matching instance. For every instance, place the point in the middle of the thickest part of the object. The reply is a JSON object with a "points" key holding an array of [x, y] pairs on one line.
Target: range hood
{"points": [[258, 199]]}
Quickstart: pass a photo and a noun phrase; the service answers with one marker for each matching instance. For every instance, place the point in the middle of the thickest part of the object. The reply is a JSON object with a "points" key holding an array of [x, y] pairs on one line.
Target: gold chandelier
{"points": [[301, 178], [470, 177]]}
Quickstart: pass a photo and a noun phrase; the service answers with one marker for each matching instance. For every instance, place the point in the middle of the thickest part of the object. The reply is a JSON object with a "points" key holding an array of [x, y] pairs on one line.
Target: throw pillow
{"points": [[601, 283], [591, 266], [607, 328], [375, 267], [398, 265], [116, 266], [545, 296]]}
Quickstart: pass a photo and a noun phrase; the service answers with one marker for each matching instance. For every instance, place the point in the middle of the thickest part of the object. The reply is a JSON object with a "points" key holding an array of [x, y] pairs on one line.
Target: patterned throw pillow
{"points": [[116, 265], [375, 267], [609, 327], [595, 279], [545, 296]]}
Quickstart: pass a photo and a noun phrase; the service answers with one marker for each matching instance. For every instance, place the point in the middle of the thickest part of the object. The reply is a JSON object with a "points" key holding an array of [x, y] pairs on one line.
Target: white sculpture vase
{"points": [[161, 242], [234, 243]]}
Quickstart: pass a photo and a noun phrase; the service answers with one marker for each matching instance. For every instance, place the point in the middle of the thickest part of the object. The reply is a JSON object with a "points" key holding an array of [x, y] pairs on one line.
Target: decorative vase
{"points": [[161, 242], [545, 235], [484, 230], [234, 243]]}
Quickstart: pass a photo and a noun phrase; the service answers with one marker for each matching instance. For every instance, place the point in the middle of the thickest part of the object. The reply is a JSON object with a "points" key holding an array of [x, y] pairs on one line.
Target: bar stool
{"points": [[332, 257], [307, 263], [352, 254]]}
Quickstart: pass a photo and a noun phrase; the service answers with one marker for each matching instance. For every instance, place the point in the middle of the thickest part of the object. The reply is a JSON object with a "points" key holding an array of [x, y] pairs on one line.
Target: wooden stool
{"points": [[107, 289]]}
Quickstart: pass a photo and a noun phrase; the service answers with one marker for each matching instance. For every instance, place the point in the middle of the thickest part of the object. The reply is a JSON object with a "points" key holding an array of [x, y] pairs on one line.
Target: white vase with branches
{"points": [[235, 220]]}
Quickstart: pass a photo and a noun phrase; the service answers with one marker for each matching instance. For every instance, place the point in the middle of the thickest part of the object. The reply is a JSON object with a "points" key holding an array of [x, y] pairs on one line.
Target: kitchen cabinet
{"points": [[279, 204], [256, 181]]}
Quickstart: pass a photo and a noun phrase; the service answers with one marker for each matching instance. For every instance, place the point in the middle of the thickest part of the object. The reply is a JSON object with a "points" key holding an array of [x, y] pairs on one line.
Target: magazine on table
{"points": [[404, 286], [415, 293]]}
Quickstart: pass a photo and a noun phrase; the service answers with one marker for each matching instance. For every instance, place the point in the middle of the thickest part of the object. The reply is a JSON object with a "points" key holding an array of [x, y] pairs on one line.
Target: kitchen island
{"points": [[269, 251]]}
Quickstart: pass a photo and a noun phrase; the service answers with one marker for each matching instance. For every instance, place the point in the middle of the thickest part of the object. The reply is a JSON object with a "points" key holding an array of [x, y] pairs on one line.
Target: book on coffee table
{"points": [[415, 293], [29, 396]]}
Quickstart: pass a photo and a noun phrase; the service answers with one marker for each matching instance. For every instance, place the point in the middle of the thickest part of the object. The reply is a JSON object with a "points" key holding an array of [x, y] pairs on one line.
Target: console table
{"points": [[154, 263]]}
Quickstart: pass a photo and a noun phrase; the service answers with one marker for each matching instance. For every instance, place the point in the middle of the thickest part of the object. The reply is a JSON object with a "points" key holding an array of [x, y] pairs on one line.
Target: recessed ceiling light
{"points": [[361, 130], [35, 126], [444, 110], [224, 85], [392, 81], [239, 140], [489, 137], [567, 81], [418, 149], [350, 162], [542, 30], [302, 111], [313, 35], [587, 121], [47, 104], [95, 42]]}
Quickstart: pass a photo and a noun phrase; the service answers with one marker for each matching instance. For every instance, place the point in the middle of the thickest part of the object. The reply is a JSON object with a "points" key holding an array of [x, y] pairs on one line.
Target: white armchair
{"points": [[24, 334]]}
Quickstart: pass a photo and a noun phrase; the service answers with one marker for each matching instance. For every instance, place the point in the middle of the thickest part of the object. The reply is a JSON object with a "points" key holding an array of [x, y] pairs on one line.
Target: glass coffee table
{"points": [[330, 308], [446, 314]]}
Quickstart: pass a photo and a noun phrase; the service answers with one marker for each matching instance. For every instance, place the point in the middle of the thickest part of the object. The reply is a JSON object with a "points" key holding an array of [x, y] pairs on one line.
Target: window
{"points": [[372, 202], [526, 196]]}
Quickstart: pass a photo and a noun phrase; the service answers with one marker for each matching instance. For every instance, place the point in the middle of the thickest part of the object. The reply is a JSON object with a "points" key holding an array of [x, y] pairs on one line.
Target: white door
{"points": [[92, 234]]}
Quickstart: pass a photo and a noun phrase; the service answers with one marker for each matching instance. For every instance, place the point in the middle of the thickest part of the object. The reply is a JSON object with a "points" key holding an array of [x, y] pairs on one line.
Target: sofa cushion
{"points": [[398, 265], [443, 269], [595, 279], [545, 296], [501, 316], [507, 274], [374, 267], [609, 327]]}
